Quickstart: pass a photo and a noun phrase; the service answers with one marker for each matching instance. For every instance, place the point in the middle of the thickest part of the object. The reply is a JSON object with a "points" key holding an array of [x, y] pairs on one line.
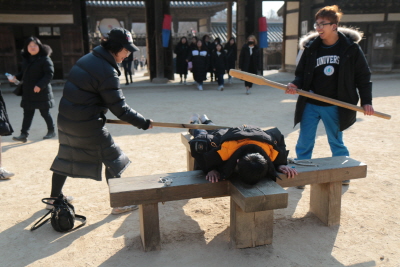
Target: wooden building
{"points": [[378, 19]]}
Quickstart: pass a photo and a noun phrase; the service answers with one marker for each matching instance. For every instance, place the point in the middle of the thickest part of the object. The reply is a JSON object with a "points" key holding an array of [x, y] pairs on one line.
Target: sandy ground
{"points": [[196, 232]]}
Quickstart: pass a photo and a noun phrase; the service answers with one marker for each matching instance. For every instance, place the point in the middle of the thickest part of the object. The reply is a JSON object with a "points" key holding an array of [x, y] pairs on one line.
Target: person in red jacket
{"points": [[246, 153]]}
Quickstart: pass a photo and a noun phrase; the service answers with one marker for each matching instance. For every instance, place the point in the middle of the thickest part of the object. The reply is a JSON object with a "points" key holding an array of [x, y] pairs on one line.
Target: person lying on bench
{"points": [[246, 153]]}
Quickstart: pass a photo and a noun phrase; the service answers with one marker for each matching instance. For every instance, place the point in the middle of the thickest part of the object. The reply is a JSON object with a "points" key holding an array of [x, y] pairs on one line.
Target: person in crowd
{"points": [[182, 52], [246, 153], [5, 130], [92, 89], [249, 59], [210, 48], [219, 65], [231, 53], [332, 65], [143, 60], [136, 63], [193, 46], [200, 60], [127, 65], [36, 74]]}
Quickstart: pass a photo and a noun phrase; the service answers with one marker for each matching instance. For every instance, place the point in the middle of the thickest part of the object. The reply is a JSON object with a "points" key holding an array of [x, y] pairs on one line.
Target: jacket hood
{"points": [[100, 51], [351, 33]]}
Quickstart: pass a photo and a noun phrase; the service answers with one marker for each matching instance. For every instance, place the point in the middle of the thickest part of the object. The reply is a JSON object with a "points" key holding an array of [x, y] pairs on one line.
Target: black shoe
{"points": [[50, 134], [22, 138], [126, 83]]}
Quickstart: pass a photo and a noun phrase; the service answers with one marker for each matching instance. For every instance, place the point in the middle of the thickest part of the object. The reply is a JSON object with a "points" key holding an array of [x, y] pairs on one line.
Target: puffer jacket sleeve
{"points": [[115, 101], [48, 70], [363, 78]]}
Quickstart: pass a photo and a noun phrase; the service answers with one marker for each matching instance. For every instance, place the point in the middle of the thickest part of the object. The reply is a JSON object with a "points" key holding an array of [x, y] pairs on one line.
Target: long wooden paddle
{"points": [[176, 125], [262, 81]]}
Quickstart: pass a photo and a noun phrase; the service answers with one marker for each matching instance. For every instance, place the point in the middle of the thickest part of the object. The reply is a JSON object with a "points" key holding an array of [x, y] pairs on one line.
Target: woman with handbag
{"points": [[37, 72]]}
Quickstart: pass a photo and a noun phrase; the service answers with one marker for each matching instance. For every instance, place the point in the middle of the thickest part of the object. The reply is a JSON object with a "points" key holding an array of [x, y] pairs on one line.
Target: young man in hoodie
{"points": [[332, 65]]}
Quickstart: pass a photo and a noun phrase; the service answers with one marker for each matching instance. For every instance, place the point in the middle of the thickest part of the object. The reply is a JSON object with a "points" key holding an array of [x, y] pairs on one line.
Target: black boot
{"points": [[22, 138], [130, 75], [126, 79], [50, 134]]}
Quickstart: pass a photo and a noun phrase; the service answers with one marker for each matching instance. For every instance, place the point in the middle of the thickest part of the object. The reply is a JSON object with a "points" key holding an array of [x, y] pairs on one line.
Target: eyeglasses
{"points": [[321, 25]]}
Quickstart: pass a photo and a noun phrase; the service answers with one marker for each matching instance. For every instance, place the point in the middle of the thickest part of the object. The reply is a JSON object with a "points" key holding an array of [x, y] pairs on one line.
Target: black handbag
{"points": [[62, 215]]}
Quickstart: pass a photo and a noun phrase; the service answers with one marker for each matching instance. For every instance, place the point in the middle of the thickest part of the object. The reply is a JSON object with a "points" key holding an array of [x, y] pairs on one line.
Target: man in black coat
{"points": [[246, 153], [91, 90]]}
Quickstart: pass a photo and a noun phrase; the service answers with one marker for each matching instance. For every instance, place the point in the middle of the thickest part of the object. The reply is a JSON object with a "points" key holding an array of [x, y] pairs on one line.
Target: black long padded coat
{"points": [[38, 71], [91, 90], [248, 63], [182, 52]]}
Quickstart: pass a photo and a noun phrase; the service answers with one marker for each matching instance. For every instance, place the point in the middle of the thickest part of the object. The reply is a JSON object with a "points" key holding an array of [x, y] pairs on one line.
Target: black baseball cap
{"points": [[123, 37]]}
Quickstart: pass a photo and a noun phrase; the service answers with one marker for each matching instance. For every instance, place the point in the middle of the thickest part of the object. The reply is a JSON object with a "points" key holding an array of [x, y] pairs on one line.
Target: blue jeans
{"points": [[329, 115]]}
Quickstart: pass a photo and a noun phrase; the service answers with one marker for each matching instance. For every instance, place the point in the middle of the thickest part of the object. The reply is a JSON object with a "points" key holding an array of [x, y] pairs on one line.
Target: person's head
{"points": [[218, 47], [119, 43], [206, 38], [251, 168], [194, 40], [32, 47], [199, 44], [217, 40], [232, 41], [183, 40], [327, 20], [251, 40]]}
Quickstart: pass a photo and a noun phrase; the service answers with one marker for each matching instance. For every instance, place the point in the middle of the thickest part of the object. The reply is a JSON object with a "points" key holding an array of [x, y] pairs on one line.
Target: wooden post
{"points": [[229, 21], [325, 202], [250, 229], [149, 226]]}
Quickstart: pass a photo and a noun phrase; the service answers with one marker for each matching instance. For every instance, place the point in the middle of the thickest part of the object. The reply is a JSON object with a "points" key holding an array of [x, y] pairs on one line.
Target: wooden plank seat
{"points": [[147, 192]]}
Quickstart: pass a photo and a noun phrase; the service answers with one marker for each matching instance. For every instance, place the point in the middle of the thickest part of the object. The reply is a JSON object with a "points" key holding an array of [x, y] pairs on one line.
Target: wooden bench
{"points": [[325, 180], [252, 207]]}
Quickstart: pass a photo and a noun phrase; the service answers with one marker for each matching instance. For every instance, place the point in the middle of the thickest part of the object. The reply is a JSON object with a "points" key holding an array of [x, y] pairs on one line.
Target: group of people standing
{"points": [[202, 56]]}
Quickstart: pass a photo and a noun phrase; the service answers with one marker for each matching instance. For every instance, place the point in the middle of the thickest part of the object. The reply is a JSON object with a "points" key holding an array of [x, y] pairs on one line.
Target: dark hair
{"points": [[204, 38], [112, 46], [203, 46], [36, 40], [252, 168], [217, 40], [333, 13], [195, 37], [232, 38], [222, 48], [180, 41]]}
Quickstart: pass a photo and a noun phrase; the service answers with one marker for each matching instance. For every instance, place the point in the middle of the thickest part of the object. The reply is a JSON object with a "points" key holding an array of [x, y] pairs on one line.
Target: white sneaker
{"points": [[184, 82], [222, 88], [200, 87], [204, 118], [4, 174], [219, 88], [194, 118]]}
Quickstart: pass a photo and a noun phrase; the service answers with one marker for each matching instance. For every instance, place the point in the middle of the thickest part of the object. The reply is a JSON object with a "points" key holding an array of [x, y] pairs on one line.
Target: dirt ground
{"points": [[196, 232]]}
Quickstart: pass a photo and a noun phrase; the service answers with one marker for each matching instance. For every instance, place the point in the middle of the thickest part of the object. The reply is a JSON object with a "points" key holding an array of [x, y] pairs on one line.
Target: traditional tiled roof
{"points": [[140, 4], [219, 29]]}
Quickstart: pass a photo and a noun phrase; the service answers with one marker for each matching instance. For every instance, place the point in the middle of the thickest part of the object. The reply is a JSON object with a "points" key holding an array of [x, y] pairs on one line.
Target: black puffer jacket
{"points": [[182, 52], [91, 90], [212, 160], [354, 74], [38, 71], [201, 63], [231, 53], [219, 62]]}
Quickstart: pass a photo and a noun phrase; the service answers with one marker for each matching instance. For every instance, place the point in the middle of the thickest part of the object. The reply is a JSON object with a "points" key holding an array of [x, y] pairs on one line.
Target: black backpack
{"points": [[62, 215]]}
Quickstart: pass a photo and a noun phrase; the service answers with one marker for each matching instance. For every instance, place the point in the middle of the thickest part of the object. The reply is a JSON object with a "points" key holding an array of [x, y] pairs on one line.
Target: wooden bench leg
{"points": [[190, 161], [149, 226], [250, 229], [325, 202]]}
